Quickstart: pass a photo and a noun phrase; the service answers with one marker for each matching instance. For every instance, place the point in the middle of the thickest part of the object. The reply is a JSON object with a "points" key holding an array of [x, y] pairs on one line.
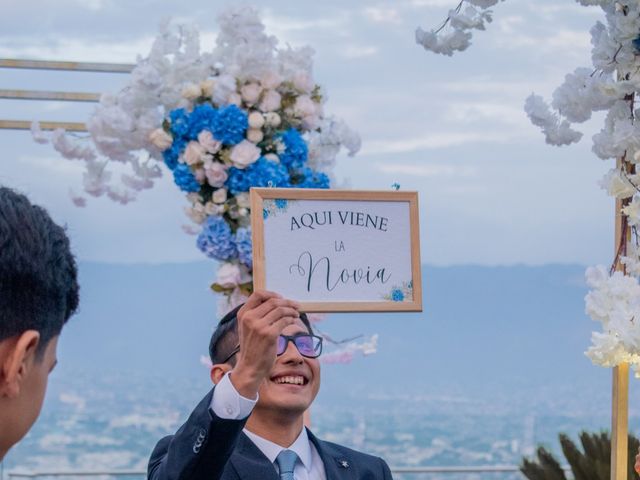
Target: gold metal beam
{"points": [[47, 95], [26, 125], [66, 66]]}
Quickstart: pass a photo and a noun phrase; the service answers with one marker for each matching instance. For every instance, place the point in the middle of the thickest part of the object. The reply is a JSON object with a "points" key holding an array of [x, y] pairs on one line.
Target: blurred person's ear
{"points": [[17, 358]]}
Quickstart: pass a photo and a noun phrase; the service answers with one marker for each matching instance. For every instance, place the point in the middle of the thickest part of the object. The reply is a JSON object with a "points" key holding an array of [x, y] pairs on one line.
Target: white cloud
{"points": [[382, 15], [428, 170], [430, 142], [355, 51]]}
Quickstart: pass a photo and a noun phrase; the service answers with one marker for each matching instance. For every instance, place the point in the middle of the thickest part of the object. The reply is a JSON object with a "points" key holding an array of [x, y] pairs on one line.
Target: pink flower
{"points": [[210, 144], [193, 153], [271, 101], [244, 154], [216, 174]]}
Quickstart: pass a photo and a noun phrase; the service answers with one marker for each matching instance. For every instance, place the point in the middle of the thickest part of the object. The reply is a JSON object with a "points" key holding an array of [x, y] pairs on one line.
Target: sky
{"points": [[452, 128]]}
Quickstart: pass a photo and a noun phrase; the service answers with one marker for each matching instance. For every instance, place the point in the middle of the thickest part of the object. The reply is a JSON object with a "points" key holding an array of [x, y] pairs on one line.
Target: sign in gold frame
{"points": [[290, 226]]}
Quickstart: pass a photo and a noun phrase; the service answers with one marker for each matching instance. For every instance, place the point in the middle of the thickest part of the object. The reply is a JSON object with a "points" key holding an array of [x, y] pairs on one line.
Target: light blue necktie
{"points": [[286, 460]]}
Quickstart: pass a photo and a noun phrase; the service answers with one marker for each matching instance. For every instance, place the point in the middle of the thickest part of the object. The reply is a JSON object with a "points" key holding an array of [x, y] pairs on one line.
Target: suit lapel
{"points": [[250, 463], [337, 465]]}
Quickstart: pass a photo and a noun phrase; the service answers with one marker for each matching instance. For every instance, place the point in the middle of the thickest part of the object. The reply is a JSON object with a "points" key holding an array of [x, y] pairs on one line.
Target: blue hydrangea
{"points": [[230, 125], [397, 295], [296, 150], [243, 245], [201, 118], [216, 239], [308, 178], [179, 122], [262, 173], [172, 153], [184, 179]]}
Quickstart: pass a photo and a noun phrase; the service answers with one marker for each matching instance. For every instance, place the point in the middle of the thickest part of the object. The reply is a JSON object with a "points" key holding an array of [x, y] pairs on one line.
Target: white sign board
{"points": [[335, 250]]}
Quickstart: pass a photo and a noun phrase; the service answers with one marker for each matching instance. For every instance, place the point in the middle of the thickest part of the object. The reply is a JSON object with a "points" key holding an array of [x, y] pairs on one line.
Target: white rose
{"points": [[193, 153], [244, 154], [272, 119], [303, 82], [228, 275], [243, 200], [256, 120], [251, 93], [255, 135], [206, 86], [216, 174], [210, 144], [304, 106], [271, 101], [219, 196], [160, 139], [191, 91], [270, 80]]}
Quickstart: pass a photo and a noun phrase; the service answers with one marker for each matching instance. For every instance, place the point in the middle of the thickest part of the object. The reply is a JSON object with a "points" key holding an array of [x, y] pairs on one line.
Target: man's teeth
{"points": [[291, 380]]}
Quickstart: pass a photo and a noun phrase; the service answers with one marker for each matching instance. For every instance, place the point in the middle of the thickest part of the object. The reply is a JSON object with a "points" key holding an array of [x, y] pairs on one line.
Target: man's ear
{"points": [[17, 356], [218, 371]]}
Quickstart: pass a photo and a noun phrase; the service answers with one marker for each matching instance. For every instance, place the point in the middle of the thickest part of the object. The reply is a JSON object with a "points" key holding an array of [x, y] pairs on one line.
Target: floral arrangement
{"points": [[610, 85], [454, 34], [247, 114]]}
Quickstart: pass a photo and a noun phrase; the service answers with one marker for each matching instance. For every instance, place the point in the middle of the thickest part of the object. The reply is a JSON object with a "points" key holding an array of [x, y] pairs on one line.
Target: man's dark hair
{"points": [[225, 337], [38, 274]]}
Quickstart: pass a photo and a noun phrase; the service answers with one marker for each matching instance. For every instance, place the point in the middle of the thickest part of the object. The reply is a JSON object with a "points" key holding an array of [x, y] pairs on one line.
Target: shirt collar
{"points": [[302, 447]]}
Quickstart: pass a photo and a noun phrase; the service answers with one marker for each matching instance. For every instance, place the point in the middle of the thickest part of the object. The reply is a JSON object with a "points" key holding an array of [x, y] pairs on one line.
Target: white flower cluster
{"points": [[455, 32], [611, 85], [246, 67], [615, 302]]}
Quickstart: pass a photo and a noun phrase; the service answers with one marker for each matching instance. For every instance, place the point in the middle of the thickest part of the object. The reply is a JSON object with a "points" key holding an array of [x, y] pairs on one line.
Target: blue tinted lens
{"points": [[305, 344], [282, 345]]}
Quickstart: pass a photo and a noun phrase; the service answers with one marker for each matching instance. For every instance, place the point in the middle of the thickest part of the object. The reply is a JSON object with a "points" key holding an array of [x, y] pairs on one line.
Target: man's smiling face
{"points": [[294, 380]]}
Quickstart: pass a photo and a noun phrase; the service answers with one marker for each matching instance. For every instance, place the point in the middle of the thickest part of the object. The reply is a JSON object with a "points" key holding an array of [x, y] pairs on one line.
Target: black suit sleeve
{"points": [[386, 472], [199, 450]]}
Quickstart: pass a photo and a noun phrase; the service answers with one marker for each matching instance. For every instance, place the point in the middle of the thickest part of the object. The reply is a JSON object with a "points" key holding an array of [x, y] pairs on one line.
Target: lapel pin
{"points": [[344, 464]]}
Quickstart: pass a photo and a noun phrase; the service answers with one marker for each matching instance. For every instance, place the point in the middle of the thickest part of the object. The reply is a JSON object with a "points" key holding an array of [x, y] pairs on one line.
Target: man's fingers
{"points": [[267, 307], [279, 312], [281, 323], [258, 297]]}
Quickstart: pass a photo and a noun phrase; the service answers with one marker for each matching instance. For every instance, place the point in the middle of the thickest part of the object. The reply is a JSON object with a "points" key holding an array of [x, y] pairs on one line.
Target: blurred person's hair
{"points": [[38, 274]]}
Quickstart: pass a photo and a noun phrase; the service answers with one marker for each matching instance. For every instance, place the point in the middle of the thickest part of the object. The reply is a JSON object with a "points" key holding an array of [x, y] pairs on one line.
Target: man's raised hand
{"points": [[260, 322]]}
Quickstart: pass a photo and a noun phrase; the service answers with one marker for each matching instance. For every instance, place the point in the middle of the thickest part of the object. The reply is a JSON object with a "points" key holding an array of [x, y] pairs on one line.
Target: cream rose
{"points": [[219, 196], [244, 154], [193, 153], [255, 135], [160, 139], [210, 144], [251, 93], [256, 120], [271, 101], [216, 174]]}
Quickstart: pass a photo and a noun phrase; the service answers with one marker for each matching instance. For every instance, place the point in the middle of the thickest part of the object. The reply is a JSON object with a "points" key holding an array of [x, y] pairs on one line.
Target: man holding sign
{"points": [[250, 426]]}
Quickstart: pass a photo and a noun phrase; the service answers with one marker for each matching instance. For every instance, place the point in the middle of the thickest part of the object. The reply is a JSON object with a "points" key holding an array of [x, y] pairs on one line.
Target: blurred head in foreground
{"points": [[38, 294]]}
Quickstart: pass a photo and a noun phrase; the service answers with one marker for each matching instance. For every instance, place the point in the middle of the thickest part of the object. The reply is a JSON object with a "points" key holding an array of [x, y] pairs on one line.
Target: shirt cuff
{"points": [[228, 404]]}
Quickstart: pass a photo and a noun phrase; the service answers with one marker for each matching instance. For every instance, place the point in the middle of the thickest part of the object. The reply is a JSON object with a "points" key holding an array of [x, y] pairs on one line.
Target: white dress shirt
{"points": [[227, 403]]}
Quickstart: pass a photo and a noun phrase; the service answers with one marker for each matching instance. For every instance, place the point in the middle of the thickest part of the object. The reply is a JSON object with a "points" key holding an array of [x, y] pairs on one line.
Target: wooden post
{"points": [[620, 380]]}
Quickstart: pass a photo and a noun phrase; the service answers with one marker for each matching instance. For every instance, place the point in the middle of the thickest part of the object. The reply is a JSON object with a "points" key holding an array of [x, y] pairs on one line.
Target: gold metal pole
{"points": [[26, 125], [66, 66], [8, 94], [620, 380]]}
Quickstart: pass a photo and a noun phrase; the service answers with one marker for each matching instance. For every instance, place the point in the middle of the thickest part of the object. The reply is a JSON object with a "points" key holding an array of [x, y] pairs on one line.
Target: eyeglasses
{"points": [[309, 346]]}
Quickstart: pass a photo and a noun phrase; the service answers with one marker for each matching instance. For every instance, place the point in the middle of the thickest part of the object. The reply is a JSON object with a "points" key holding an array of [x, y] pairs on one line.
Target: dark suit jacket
{"points": [[207, 447]]}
